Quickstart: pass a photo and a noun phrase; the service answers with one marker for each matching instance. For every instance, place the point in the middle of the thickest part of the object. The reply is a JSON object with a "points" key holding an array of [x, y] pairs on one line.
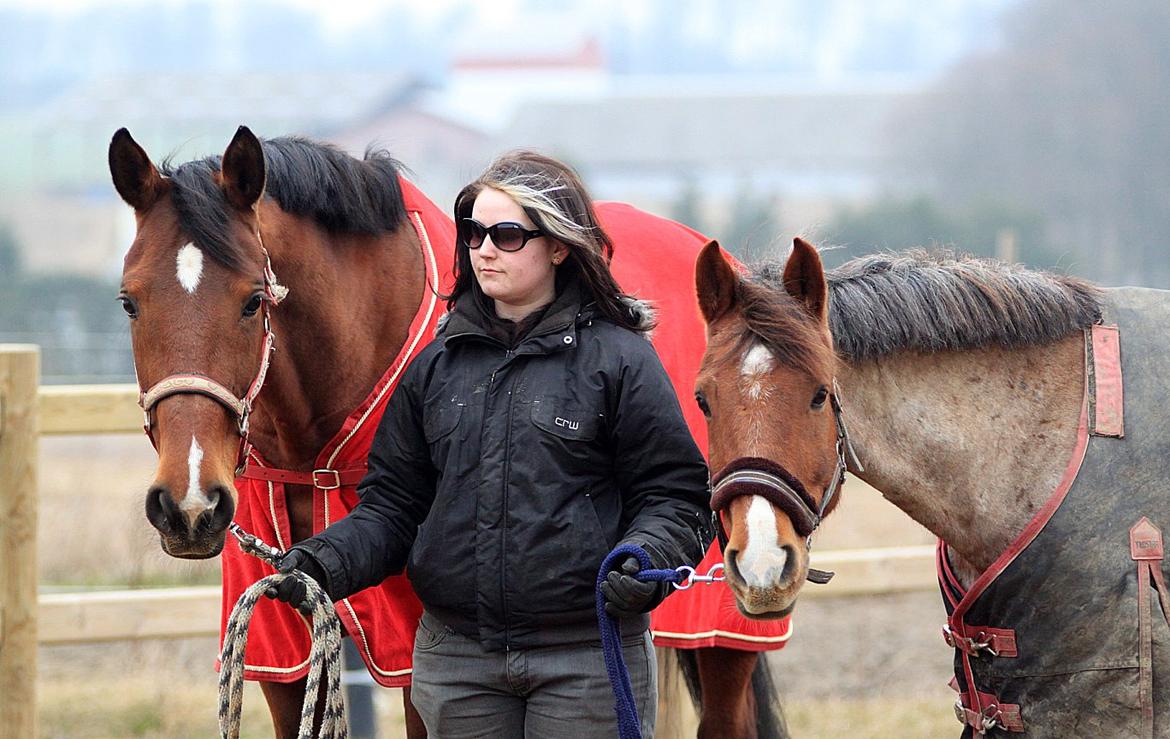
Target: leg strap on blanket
{"points": [[1145, 547]]}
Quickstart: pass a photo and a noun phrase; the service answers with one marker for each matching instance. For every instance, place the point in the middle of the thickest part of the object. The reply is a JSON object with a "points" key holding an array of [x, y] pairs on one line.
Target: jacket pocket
{"points": [[441, 421], [565, 421], [431, 633]]}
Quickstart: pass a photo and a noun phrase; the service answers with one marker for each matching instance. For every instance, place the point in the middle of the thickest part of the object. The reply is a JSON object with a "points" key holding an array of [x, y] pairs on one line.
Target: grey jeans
{"points": [[462, 691]]}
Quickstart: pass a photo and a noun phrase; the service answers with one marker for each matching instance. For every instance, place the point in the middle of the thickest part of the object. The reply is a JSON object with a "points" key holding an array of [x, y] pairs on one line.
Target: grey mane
{"points": [[932, 301]]}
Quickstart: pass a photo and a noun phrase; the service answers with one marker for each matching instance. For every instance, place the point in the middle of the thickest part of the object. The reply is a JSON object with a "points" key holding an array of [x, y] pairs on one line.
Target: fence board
{"points": [[181, 612], [71, 618], [89, 409]]}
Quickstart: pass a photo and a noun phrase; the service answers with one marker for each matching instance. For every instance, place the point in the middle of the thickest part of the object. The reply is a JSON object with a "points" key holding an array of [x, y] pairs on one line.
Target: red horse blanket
{"points": [[382, 620], [653, 259]]}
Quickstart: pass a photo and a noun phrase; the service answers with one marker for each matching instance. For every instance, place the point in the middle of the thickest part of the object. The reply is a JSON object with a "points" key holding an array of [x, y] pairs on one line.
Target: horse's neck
{"points": [[350, 304], [969, 444]]}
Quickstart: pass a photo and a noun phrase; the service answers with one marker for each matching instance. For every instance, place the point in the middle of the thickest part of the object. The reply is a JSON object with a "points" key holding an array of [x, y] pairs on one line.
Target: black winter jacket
{"points": [[500, 478]]}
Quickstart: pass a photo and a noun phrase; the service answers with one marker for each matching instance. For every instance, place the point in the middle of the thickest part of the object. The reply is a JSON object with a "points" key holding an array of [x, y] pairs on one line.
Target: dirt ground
{"points": [[855, 667]]}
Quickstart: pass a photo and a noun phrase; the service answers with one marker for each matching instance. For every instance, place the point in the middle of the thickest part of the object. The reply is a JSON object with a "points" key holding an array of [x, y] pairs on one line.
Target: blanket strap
{"points": [[1145, 548]]}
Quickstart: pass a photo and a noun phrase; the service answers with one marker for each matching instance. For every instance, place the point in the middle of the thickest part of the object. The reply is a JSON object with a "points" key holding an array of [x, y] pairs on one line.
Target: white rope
{"points": [[325, 656]]}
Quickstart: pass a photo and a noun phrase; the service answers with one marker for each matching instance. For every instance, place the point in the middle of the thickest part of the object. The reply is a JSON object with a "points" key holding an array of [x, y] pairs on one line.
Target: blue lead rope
{"points": [[629, 727]]}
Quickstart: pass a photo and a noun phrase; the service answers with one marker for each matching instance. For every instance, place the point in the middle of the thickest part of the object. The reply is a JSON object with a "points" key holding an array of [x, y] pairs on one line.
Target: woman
{"points": [[534, 434]]}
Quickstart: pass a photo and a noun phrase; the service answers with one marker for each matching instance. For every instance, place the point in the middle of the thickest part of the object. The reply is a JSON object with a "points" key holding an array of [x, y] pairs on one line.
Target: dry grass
{"points": [[885, 718]]}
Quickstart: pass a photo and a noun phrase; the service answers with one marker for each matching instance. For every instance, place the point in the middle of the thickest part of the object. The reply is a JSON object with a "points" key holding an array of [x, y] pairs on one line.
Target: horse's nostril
{"points": [[790, 563], [731, 561], [161, 511], [225, 508]]}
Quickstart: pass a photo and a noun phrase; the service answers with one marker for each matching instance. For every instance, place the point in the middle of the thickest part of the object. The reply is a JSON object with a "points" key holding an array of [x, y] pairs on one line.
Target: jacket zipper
{"points": [[508, 354]]}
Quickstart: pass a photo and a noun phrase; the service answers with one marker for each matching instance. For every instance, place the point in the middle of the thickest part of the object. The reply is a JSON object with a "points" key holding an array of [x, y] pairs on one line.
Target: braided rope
{"points": [[325, 656], [629, 727]]}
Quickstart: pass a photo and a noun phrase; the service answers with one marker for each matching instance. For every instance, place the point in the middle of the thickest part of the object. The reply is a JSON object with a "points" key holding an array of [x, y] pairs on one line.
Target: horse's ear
{"points": [[135, 178], [804, 279], [715, 281], [243, 169]]}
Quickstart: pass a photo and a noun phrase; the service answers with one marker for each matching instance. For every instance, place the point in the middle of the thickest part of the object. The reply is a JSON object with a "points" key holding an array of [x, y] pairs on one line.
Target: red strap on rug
{"points": [[974, 640], [1107, 394], [995, 715], [323, 479], [1145, 548]]}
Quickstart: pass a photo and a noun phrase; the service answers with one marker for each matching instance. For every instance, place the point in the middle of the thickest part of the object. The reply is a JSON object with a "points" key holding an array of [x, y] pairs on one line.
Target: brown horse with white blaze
{"points": [[772, 482], [199, 284]]}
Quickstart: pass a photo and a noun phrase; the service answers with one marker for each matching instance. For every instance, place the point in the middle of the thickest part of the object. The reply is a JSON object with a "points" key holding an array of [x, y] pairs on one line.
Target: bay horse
{"points": [[245, 400], [986, 401]]}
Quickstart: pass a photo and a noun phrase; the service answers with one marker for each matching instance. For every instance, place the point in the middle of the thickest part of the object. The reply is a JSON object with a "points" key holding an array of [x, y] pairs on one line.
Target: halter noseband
{"points": [[197, 384], [771, 481]]}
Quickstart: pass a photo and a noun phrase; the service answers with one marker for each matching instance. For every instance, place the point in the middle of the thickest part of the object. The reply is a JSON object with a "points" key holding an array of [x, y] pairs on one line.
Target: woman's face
{"points": [[519, 281]]}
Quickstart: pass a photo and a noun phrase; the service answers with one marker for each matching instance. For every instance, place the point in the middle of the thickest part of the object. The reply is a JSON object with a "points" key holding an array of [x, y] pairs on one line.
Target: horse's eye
{"points": [[702, 401], [253, 305], [128, 306], [819, 399]]}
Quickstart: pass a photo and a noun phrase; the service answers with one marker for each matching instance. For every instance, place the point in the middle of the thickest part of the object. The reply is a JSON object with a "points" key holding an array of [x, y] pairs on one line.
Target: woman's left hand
{"points": [[625, 596]]}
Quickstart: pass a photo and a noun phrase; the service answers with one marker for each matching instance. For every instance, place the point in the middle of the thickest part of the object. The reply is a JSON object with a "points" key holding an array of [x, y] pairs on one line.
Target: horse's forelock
{"points": [[776, 321]]}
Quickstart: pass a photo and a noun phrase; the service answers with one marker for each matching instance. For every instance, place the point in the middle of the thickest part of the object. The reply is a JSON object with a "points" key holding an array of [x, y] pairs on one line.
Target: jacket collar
{"points": [[555, 331], [466, 320]]}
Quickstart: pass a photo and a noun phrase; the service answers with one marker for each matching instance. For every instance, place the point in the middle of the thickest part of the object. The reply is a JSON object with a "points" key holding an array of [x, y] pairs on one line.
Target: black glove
{"points": [[626, 597], [291, 590]]}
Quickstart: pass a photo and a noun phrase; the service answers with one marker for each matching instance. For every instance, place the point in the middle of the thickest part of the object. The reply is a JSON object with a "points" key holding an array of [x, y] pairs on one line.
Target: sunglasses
{"points": [[506, 235]]}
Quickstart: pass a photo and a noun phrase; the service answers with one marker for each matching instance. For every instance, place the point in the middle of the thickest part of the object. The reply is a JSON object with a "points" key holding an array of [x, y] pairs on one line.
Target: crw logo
{"points": [[566, 423]]}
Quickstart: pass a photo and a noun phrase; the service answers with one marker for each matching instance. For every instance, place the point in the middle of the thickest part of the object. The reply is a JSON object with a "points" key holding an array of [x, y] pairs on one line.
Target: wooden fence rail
{"points": [[70, 618], [28, 412]]}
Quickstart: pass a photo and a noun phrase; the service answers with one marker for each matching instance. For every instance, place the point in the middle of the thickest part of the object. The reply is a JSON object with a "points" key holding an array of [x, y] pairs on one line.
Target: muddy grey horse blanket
{"points": [[1066, 634]]}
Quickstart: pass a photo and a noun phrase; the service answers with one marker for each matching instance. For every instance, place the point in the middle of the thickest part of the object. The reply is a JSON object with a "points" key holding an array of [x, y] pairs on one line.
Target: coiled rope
{"points": [[325, 656]]}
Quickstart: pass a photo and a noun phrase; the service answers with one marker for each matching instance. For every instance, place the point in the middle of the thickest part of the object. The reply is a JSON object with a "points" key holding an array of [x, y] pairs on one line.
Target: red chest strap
{"points": [[321, 479]]}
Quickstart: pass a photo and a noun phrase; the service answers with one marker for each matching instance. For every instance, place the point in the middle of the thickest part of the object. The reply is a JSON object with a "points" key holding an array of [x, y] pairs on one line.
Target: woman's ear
{"points": [[560, 253]]}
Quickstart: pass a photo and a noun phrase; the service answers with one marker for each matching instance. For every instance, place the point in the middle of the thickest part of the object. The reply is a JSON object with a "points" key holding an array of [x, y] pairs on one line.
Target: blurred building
{"points": [[690, 147]]}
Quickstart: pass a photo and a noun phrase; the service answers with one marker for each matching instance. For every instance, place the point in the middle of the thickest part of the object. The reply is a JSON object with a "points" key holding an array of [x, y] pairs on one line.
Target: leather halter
{"points": [[773, 482], [197, 384]]}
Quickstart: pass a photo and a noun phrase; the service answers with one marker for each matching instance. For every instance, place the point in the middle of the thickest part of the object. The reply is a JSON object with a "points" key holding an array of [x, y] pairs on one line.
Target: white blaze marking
{"points": [[195, 502], [757, 363], [189, 266], [762, 562]]}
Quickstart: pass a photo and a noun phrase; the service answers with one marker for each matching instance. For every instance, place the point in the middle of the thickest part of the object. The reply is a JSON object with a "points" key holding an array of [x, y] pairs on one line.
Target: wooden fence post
{"points": [[19, 378]]}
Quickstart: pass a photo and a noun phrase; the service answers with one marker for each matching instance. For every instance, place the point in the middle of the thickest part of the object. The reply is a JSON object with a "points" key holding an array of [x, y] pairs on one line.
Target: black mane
{"points": [[342, 194]]}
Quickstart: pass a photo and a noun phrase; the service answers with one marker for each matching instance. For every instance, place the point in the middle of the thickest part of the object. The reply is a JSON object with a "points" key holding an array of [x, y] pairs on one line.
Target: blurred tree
{"points": [[1069, 117], [11, 265], [686, 208], [752, 234]]}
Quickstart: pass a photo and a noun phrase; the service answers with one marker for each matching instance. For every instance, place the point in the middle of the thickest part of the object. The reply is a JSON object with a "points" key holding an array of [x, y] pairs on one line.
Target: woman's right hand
{"points": [[292, 590]]}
